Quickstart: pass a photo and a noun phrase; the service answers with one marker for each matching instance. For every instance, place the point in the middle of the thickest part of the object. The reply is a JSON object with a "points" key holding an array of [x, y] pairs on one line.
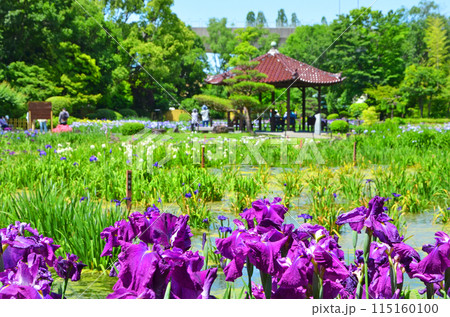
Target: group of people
{"points": [[4, 123], [194, 118]]}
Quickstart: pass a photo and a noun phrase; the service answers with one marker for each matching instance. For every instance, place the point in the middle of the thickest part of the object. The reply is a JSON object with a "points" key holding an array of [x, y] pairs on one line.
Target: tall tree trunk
{"points": [[247, 120]]}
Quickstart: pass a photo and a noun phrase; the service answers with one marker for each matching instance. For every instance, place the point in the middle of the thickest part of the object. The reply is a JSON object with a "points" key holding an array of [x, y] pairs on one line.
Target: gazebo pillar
{"points": [[319, 97], [304, 108], [288, 109]]}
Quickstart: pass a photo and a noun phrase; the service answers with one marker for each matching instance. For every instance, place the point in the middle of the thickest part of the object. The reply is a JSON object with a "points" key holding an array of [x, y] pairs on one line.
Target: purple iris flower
{"points": [[110, 151], [75, 164], [195, 192], [69, 268], [432, 268], [188, 195], [368, 181], [305, 216], [374, 219], [266, 213], [156, 164], [206, 220], [63, 158], [334, 195], [199, 185], [42, 153], [93, 158], [225, 229], [396, 195], [118, 202], [222, 218], [82, 198], [159, 200], [48, 146]]}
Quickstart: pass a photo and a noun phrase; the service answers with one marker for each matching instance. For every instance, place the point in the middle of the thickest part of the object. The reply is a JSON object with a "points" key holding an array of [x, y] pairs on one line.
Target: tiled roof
{"points": [[281, 69]]}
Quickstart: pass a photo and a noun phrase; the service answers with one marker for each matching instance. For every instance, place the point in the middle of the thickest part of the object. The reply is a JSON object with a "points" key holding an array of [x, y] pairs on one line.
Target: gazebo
{"points": [[285, 72]]}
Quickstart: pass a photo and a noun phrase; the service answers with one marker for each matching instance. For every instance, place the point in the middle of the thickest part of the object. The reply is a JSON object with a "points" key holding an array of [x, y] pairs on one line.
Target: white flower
{"points": [[103, 145], [92, 146]]}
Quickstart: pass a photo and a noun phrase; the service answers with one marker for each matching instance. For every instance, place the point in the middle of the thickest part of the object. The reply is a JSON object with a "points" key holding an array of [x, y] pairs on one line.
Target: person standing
{"points": [[4, 123], [205, 116], [42, 125], [194, 120], [63, 117]]}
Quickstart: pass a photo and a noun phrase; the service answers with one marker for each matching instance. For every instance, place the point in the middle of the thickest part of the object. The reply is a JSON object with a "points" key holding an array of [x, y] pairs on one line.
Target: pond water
{"points": [[420, 231]]}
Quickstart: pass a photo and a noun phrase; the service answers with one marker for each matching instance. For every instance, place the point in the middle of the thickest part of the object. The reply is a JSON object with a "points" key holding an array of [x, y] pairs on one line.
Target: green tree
{"points": [[387, 97], [308, 43], [12, 102], [294, 20], [261, 19], [422, 85], [32, 81], [80, 77], [170, 58], [356, 109], [221, 41], [251, 19], [282, 20], [437, 42], [370, 53]]}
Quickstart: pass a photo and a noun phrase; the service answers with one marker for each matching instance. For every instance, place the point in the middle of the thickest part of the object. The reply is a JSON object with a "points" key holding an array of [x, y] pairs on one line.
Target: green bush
{"points": [[184, 117], [100, 114], [60, 102], [131, 128], [339, 126], [344, 114], [126, 113], [333, 116], [12, 102], [118, 115], [357, 109], [395, 121], [369, 116]]}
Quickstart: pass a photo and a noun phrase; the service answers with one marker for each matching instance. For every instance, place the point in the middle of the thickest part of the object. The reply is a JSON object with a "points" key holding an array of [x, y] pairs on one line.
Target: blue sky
{"points": [[198, 12]]}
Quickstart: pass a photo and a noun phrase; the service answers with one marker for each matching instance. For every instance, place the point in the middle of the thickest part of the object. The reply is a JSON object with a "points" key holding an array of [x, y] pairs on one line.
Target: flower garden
{"points": [[255, 217]]}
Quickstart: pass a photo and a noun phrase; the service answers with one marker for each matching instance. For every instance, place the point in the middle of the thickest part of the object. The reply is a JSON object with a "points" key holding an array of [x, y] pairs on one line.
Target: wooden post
{"points": [[319, 99], [51, 121], [29, 120], [304, 108], [288, 109], [354, 153], [129, 189], [203, 156], [229, 119]]}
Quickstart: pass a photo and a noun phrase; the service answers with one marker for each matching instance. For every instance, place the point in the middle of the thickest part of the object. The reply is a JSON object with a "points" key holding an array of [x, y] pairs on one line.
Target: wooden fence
{"points": [[18, 123]]}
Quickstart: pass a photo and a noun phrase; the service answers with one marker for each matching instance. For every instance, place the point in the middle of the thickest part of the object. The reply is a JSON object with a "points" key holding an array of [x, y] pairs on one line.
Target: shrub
{"points": [[126, 113], [339, 126], [344, 114], [369, 116], [118, 115], [60, 102], [184, 117], [333, 116], [357, 109], [12, 103], [395, 121], [131, 128], [107, 114]]}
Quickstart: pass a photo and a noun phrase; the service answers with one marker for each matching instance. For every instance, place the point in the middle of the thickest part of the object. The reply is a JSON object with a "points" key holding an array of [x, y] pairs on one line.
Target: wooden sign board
{"points": [[40, 110]]}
